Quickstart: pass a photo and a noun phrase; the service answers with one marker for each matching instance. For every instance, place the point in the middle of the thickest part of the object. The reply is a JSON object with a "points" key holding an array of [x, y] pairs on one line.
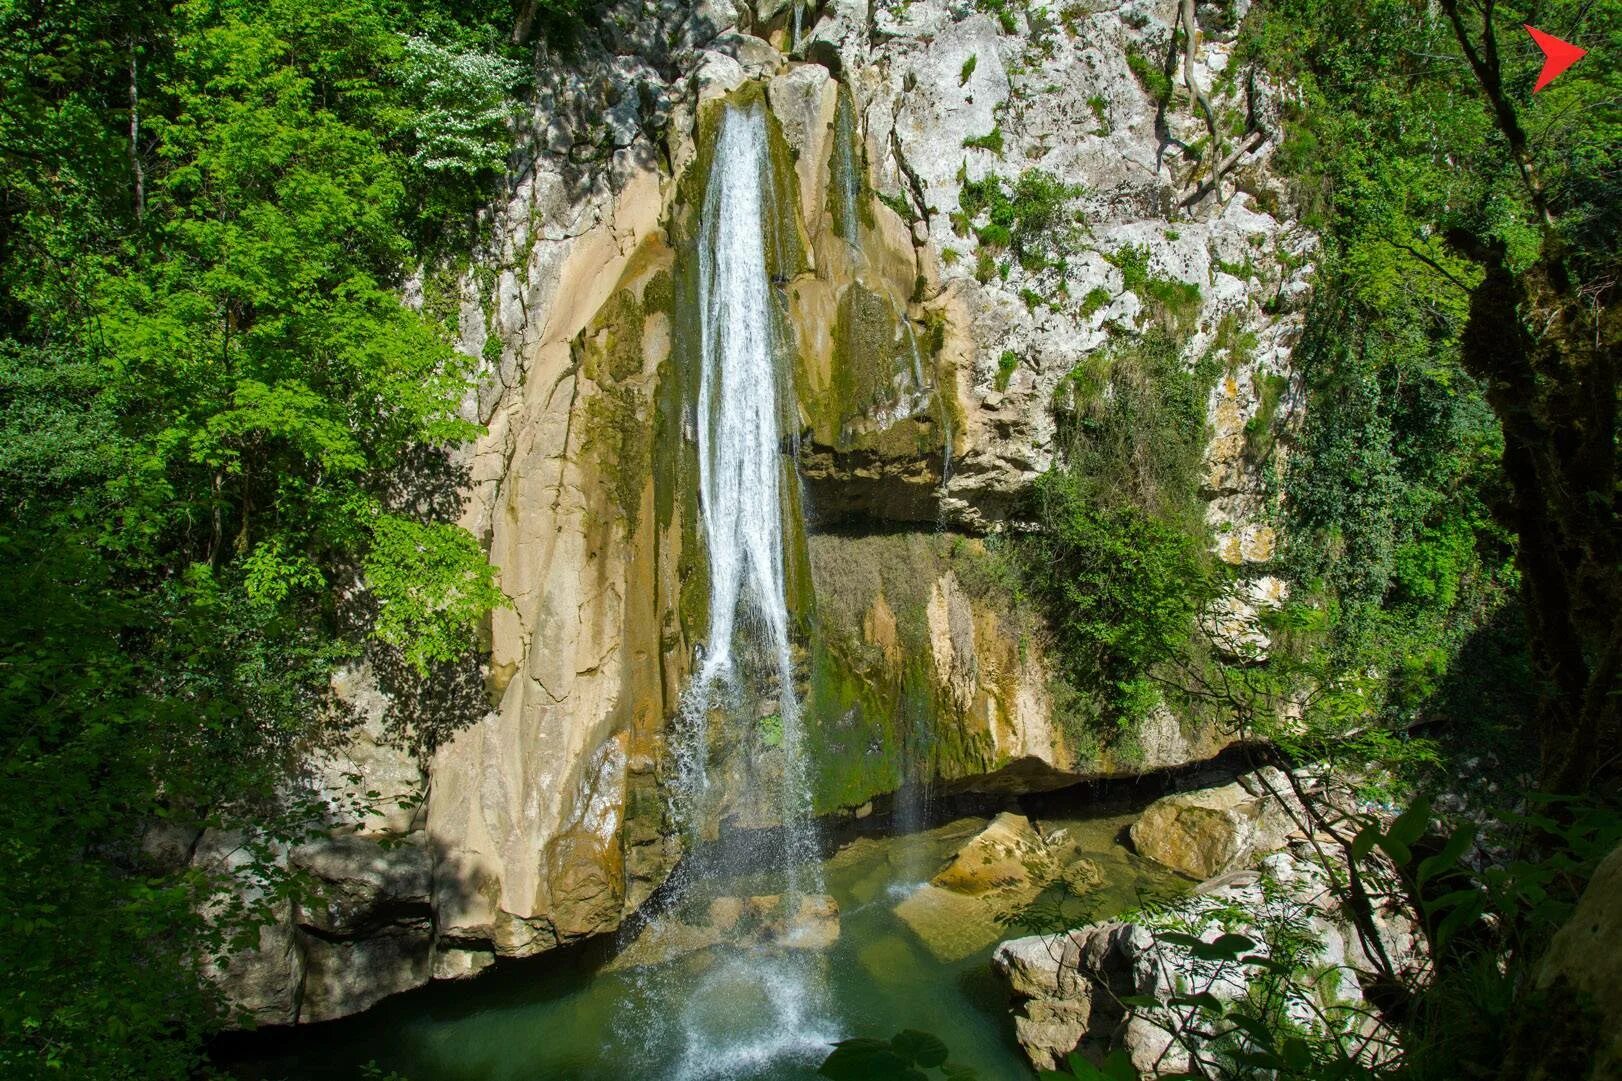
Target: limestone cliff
{"points": [[925, 362]]}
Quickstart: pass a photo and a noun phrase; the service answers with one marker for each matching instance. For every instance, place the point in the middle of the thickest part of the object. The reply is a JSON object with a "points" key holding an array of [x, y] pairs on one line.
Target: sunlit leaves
{"points": [[432, 584]]}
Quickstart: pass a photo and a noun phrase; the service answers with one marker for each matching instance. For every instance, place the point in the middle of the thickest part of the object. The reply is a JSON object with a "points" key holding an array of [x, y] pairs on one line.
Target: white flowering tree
{"points": [[463, 106]]}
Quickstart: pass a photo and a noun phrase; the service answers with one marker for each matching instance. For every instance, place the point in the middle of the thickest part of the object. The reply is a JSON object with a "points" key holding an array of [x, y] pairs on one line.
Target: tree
{"points": [[209, 392], [1483, 222]]}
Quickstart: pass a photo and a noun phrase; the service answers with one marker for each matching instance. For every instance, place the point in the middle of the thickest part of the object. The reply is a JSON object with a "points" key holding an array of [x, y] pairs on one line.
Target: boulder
{"points": [[345, 977], [1586, 956], [363, 883], [999, 871], [261, 985], [998, 858], [1211, 831], [1069, 986]]}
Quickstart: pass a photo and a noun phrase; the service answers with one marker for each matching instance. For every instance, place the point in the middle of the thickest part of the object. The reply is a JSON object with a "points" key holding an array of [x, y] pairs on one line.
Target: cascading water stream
{"points": [[844, 168], [756, 1005], [741, 482]]}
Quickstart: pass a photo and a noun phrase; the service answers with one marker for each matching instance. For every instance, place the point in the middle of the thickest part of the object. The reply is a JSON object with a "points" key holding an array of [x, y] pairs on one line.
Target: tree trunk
{"points": [[1191, 43], [1554, 394], [136, 171]]}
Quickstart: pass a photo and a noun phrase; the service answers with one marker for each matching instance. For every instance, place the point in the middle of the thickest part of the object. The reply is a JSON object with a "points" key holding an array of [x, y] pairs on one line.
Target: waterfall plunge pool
{"points": [[728, 1012]]}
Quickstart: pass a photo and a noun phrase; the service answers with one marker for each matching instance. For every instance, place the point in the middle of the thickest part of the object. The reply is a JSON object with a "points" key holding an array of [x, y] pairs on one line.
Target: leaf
{"points": [[1261, 1060], [1448, 900], [1409, 826], [1399, 853], [1364, 842], [1457, 844], [865, 1059], [920, 1048], [1205, 1000], [1177, 938], [1253, 1027], [1296, 1054], [1141, 1002], [1467, 912], [1228, 947], [1117, 1067]]}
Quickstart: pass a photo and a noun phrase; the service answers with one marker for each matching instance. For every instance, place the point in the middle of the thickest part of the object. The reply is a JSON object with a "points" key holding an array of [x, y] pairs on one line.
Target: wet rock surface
{"points": [[1072, 988]]}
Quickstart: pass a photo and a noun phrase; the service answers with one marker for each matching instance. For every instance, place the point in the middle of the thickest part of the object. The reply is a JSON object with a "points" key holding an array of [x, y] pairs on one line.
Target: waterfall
{"points": [[753, 1006], [739, 439], [742, 504]]}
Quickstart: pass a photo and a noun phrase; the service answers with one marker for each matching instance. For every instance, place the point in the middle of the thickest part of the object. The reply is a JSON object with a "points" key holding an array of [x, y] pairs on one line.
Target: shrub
{"points": [[1031, 219], [991, 140], [1151, 78], [1005, 368], [1119, 559], [1095, 299]]}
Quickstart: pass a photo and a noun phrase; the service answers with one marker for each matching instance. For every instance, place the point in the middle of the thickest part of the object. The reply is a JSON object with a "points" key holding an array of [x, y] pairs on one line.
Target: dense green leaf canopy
{"points": [[210, 390]]}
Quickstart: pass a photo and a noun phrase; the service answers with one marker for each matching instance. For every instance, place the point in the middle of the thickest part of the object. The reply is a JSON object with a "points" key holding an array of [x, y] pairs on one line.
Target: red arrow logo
{"points": [[1558, 56]]}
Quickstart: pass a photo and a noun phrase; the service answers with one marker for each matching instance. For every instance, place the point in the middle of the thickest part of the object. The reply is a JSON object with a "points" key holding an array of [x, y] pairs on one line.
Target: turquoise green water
{"points": [[718, 1012]]}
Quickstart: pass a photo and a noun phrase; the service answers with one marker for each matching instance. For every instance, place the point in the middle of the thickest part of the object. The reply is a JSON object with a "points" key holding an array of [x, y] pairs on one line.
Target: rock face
{"points": [[1212, 831], [1584, 958], [925, 362], [1069, 988]]}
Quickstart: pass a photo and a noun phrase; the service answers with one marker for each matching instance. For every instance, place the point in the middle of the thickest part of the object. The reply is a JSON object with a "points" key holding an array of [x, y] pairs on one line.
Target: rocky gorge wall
{"points": [[925, 361]]}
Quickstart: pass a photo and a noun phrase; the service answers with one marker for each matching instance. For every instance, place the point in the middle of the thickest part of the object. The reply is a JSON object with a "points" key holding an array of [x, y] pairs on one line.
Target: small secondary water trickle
{"points": [[845, 165]]}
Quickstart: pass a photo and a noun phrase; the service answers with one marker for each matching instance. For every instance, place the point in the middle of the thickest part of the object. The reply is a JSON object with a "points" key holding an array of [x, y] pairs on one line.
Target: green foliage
{"points": [[1032, 218], [1133, 263], [898, 203], [1174, 304], [210, 391], [909, 1055], [432, 586], [985, 267], [1005, 368], [1389, 499], [1097, 297], [1118, 561], [1397, 496], [1117, 1066], [991, 140], [1270, 388], [1153, 80], [1003, 10], [1123, 589], [968, 69], [771, 730], [1100, 108]]}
